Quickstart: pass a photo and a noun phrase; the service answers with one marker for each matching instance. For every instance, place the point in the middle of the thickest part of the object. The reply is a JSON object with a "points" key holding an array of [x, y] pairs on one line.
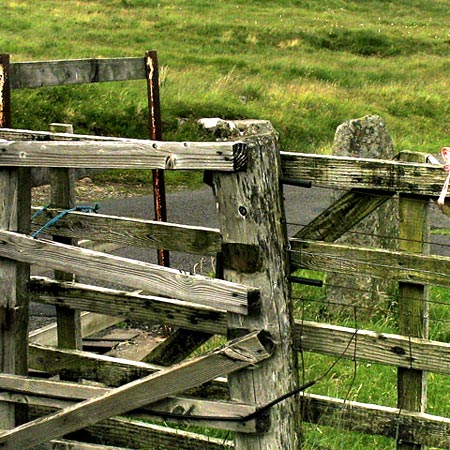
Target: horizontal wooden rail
{"points": [[79, 364], [238, 354], [411, 427], [18, 389], [136, 434], [16, 134], [129, 305], [363, 173], [374, 347], [379, 263], [108, 370], [76, 71], [151, 278], [217, 156], [65, 444], [133, 232]]}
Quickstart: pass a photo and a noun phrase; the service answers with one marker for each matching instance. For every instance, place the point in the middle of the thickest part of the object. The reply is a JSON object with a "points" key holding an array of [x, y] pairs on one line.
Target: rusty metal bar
{"points": [[5, 92], [159, 189]]}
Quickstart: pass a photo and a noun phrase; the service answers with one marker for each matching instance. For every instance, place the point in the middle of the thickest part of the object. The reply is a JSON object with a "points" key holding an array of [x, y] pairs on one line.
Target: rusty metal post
{"points": [[5, 93], [159, 190]]}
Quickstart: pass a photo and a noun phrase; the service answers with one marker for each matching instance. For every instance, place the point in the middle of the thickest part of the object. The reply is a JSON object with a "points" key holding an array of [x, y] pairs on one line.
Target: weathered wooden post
{"points": [[15, 207], [412, 303], [254, 250], [62, 183]]}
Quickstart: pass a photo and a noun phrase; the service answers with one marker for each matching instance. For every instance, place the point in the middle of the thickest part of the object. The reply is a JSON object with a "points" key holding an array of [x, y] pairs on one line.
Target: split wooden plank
{"points": [[418, 428], [219, 156], [135, 232], [381, 348], [398, 265], [343, 215], [153, 279], [59, 395], [129, 305], [236, 355], [364, 173], [76, 71]]}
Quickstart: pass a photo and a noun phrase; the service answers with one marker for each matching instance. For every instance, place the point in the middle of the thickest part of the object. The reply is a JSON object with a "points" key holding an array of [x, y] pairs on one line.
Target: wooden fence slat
{"points": [[236, 355], [364, 173], [76, 71], [218, 156], [135, 434], [342, 215], [153, 279], [374, 347], [17, 134], [74, 363], [398, 265], [65, 444], [129, 305], [104, 369], [416, 427], [134, 232], [33, 391]]}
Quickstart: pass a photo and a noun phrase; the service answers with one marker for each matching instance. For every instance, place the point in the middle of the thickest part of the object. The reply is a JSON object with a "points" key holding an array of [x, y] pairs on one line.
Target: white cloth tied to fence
{"points": [[446, 155]]}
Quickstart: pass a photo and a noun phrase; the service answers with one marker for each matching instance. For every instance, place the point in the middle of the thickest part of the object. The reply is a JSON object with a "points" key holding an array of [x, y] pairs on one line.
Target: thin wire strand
{"points": [[385, 296], [368, 308], [374, 264]]}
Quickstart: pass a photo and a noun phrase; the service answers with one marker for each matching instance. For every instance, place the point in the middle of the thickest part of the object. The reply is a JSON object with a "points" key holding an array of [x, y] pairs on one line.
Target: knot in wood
{"points": [[170, 162]]}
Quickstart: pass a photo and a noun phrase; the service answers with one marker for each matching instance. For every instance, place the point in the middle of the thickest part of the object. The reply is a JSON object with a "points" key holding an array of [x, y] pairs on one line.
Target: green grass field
{"points": [[305, 65]]}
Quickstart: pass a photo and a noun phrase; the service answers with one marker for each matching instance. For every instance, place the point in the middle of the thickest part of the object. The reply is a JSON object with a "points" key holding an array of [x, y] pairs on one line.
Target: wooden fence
{"points": [[251, 306]]}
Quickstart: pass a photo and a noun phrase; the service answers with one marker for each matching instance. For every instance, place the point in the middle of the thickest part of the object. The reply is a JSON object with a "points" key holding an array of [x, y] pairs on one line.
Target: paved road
{"points": [[198, 208]]}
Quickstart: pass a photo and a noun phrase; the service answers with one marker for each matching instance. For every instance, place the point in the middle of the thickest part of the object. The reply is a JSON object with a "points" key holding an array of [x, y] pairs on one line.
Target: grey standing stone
{"points": [[366, 137]]}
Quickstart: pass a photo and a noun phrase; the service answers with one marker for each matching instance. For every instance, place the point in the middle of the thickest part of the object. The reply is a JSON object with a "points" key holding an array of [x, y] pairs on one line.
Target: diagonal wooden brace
{"points": [[236, 355]]}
